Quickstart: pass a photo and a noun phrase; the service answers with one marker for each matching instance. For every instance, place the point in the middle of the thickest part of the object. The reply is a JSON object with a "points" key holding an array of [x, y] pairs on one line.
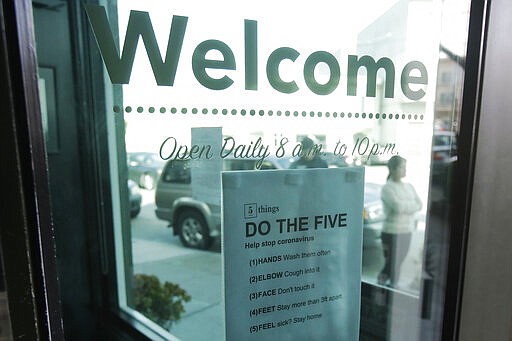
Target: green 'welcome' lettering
{"points": [[139, 25]]}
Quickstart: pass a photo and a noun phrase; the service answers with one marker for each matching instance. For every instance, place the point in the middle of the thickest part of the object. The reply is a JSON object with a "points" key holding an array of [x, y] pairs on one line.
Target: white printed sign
{"points": [[206, 169], [292, 253]]}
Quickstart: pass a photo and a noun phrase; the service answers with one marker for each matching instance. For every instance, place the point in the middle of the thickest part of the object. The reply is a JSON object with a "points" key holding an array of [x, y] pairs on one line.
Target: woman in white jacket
{"points": [[401, 203]]}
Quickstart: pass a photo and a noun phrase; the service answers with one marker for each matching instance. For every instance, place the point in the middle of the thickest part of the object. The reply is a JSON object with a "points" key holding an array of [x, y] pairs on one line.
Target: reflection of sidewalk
{"points": [[149, 251], [157, 252], [199, 273], [373, 261]]}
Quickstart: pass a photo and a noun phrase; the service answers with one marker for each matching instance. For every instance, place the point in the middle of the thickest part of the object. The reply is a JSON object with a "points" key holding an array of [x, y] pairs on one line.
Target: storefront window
{"points": [[198, 89]]}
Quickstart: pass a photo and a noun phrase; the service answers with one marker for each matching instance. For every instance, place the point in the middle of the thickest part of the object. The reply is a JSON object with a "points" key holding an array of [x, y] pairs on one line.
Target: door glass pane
{"points": [[210, 87]]}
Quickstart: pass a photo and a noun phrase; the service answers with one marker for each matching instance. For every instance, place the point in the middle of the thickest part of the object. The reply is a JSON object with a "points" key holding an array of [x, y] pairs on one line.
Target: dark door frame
{"points": [[27, 238]]}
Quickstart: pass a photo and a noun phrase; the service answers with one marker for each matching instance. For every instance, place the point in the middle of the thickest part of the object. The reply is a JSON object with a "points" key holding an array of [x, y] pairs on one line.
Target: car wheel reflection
{"points": [[193, 230]]}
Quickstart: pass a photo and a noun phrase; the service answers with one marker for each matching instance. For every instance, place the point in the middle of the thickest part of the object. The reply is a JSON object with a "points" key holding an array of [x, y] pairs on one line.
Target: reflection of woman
{"points": [[401, 202]]}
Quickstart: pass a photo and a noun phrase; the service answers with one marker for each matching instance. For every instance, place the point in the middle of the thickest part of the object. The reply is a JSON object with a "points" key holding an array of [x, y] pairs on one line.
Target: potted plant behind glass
{"points": [[162, 303]]}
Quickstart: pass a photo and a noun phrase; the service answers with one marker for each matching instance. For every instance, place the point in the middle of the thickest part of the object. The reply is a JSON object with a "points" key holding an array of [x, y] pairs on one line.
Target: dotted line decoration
{"points": [[252, 112]]}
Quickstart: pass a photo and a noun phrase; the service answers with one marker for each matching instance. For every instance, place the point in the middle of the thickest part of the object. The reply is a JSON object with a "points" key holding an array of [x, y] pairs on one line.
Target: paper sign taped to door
{"points": [[292, 243]]}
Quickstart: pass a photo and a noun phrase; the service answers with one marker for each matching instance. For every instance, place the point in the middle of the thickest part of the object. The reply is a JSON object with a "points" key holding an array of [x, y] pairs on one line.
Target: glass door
{"points": [[185, 97]]}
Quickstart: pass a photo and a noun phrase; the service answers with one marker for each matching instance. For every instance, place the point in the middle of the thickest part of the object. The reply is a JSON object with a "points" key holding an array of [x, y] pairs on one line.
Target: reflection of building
{"points": [[448, 96], [406, 32]]}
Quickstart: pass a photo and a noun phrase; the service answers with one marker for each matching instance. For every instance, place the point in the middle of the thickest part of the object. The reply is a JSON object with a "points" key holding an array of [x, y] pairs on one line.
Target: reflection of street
{"points": [[157, 252]]}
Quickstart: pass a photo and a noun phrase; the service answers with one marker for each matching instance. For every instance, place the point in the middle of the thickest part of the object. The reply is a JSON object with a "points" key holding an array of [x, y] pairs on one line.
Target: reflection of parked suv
{"points": [[195, 221]]}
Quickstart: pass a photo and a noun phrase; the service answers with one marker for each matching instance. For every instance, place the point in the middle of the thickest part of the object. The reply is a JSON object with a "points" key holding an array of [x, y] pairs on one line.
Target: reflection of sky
{"points": [[455, 21], [302, 21]]}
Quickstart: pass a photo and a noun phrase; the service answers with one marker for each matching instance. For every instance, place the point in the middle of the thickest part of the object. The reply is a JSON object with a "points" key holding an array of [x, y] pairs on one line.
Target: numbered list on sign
{"points": [[292, 244]]}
